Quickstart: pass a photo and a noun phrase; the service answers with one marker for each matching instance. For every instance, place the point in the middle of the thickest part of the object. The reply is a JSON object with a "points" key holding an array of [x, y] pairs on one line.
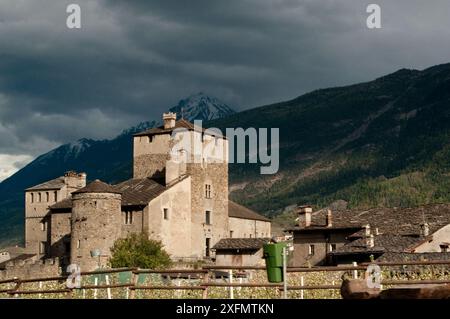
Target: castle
{"points": [[177, 195]]}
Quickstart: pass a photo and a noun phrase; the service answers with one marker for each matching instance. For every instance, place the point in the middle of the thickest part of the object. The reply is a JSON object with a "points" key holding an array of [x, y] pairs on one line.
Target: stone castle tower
{"points": [[96, 224], [179, 148]]}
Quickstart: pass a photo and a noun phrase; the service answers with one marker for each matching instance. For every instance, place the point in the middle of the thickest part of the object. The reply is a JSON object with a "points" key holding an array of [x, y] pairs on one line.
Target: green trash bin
{"points": [[273, 254]]}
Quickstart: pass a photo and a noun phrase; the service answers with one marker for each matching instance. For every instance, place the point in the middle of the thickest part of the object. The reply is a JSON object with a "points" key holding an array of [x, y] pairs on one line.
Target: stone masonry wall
{"points": [[96, 224], [31, 268]]}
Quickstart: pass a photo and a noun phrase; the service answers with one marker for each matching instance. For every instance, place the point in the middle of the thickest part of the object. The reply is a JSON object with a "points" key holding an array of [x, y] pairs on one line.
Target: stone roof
{"points": [[97, 186], [241, 243], [402, 256], [383, 243], [135, 192], [238, 211], [65, 204], [399, 221], [56, 183], [141, 191], [180, 124]]}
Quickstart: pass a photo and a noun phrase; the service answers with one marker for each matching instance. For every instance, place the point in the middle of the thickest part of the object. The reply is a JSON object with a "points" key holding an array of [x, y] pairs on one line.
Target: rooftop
{"points": [[97, 186], [240, 243], [180, 124], [238, 211], [398, 221], [56, 183]]}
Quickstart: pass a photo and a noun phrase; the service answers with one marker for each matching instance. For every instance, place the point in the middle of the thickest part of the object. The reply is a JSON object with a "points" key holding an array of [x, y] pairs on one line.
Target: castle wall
{"points": [[248, 228], [150, 154], [137, 222], [216, 175], [31, 268], [96, 224], [175, 231], [60, 228]]}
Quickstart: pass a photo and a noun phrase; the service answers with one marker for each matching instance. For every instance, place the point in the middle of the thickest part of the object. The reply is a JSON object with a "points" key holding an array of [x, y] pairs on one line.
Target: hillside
{"points": [[380, 143]]}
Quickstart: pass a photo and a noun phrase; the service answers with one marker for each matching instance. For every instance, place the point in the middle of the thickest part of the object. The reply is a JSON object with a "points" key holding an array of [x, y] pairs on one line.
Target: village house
{"points": [[178, 197], [327, 237]]}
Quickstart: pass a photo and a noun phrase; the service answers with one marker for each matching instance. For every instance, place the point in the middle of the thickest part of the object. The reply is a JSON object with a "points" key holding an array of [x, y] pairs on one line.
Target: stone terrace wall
{"points": [[30, 268]]}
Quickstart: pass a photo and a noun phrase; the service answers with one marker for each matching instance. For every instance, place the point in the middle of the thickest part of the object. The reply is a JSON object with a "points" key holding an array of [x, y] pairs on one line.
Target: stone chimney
{"points": [[367, 230], [169, 120], [425, 229], [370, 241], [74, 180], [307, 211], [329, 218]]}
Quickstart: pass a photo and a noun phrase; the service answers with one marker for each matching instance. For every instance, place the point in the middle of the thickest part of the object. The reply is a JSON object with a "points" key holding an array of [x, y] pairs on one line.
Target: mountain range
{"points": [[379, 143]]}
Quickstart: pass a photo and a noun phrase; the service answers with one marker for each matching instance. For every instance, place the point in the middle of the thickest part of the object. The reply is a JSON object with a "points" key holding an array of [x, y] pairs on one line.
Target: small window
{"points": [[231, 234], [47, 197], [55, 196], [150, 138], [78, 244], [43, 226], [166, 213], [250, 236], [128, 218], [208, 191], [208, 217], [42, 247], [207, 247], [311, 250], [32, 197], [332, 247], [40, 197], [444, 248]]}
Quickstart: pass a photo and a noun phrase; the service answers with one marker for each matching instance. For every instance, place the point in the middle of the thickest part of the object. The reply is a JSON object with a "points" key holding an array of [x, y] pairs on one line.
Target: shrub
{"points": [[138, 251]]}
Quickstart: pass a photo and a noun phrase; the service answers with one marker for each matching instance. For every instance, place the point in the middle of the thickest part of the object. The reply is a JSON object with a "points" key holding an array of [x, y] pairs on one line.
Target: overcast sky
{"points": [[133, 59]]}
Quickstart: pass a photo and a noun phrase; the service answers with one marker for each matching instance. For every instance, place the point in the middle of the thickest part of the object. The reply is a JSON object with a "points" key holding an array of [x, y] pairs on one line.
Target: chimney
{"points": [[425, 229], [307, 211], [169, 120], [367, 228], [370, 241], [329, 218]]}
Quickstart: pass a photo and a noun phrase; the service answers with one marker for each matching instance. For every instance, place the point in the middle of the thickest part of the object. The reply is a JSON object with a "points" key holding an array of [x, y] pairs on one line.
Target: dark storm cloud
{"points": [[133, 59]]}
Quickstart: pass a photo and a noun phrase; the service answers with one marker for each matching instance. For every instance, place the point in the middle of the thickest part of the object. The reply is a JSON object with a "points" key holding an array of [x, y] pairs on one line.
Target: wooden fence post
{"points": [[134, 282], [206, 281]]}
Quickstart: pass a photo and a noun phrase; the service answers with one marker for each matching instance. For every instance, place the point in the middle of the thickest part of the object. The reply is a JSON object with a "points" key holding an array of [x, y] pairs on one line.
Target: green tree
{"points": [[137, 250]]}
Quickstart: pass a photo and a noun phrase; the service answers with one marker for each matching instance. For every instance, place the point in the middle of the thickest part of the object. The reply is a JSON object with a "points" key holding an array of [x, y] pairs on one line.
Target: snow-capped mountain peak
{"points": [[201, 107]]}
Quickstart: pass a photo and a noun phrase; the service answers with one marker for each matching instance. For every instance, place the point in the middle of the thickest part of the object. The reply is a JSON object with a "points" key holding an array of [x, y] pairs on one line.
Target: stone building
{"points": [[178, 195], [328, 237]]}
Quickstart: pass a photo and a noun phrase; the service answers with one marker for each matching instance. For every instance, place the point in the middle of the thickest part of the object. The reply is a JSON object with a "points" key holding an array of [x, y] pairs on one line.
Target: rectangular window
{"points": [[42, 246], [207, 247], [55, 195], [166, 213], [47, 197], [128, 218], [208, 191], [32, 197], [78, 244], [332, 247], [231, 234], [43, 226], [444, 248], [40, 197], [311, 250], [208, 217]]}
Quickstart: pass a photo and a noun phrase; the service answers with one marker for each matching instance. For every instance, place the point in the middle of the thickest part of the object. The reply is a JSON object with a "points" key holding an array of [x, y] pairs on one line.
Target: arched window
{"points": [[40, 197]]}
